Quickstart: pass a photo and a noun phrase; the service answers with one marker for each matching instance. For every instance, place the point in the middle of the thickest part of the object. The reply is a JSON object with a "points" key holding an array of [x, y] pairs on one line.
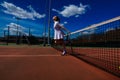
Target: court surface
{"points": [[45, 63]]}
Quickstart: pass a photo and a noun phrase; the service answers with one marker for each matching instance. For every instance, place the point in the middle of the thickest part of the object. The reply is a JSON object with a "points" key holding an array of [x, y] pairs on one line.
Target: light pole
{"points": [[29, 32], [49, 22], [44, 35], [8, 35], [17, 37]]}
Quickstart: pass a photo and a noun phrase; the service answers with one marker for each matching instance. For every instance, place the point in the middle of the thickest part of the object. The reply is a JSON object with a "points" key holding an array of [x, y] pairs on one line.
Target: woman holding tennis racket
{"points": [[59, 34]]}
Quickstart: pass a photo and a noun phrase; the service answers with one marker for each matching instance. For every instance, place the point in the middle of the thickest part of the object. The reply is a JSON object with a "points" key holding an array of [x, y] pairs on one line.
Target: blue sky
{"points": [[74, 14]]}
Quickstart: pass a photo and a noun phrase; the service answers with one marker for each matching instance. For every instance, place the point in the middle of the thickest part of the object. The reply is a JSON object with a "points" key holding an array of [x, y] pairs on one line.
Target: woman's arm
{"points": [[65, 29]]}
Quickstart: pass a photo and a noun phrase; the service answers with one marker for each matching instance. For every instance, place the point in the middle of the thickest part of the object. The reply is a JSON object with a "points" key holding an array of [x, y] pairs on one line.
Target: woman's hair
{"points": [[56, 18]]}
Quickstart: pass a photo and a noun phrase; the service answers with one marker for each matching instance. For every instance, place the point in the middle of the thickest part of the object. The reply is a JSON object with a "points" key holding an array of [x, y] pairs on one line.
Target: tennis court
{"points": [[45, 63]]}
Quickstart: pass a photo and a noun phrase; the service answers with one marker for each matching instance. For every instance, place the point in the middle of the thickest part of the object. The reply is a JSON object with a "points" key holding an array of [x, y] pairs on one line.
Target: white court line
{"points": [[25, 55]]}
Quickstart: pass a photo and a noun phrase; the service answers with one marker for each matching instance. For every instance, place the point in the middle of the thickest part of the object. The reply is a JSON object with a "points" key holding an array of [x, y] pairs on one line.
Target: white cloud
{"points": [[14, 25], [76, 16], [35, 14], [73, 10], [21, 13], [13, 28], [65, 22]]}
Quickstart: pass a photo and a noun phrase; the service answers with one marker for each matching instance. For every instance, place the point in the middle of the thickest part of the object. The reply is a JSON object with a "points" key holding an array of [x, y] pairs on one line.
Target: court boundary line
{"points": [[27, 55]]}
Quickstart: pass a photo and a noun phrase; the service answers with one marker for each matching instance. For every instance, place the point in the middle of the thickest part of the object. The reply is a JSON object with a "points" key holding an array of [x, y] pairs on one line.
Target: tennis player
{"points": [[59, 34]]}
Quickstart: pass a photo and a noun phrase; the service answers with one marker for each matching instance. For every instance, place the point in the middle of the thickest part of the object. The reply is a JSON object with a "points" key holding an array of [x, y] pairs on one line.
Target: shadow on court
{"points": [[39, 63]]}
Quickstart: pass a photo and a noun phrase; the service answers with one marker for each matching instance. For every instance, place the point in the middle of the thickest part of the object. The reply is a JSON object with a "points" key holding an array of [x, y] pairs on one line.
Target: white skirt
{"points": [[58, 34]]}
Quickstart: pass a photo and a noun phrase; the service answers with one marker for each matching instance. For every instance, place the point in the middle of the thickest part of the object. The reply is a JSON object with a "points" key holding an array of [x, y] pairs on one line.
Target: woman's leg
{"points": [[64, 47], [63, 44]]}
